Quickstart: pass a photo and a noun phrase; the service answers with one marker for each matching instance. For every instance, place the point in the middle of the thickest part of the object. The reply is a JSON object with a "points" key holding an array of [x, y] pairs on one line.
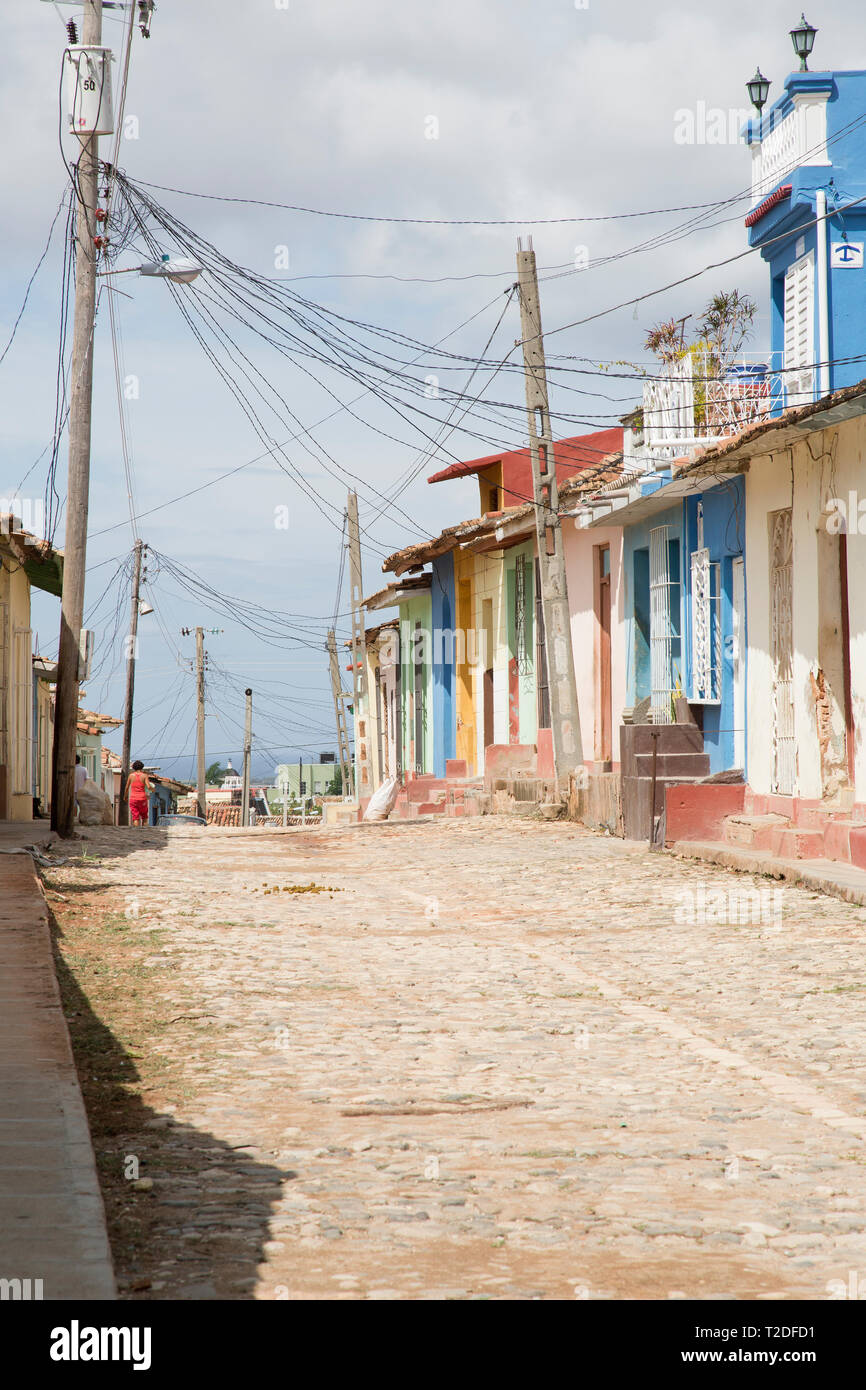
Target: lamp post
{"points": [[78, 488], [758, 88], [803, 39]]}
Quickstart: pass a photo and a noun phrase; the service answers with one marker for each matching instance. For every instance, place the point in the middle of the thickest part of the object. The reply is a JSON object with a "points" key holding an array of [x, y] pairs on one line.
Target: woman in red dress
{"points": [[138, 787]]}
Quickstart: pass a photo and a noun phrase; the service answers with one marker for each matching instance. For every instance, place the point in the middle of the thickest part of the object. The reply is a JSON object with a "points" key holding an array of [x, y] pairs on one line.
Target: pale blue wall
{"points": [[443, 609]]}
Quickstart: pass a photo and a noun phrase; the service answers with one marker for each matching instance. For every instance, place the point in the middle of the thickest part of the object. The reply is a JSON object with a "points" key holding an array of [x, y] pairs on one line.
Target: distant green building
{"points": [[306, 779]]}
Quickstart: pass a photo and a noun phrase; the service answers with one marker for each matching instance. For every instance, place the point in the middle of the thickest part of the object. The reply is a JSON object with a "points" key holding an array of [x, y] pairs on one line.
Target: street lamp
{"points": [[180, 269], [758, 89], [803, 39]]}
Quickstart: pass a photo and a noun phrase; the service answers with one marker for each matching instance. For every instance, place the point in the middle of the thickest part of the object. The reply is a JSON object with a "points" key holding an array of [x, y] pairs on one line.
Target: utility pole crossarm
{"points": [[562, 685]]}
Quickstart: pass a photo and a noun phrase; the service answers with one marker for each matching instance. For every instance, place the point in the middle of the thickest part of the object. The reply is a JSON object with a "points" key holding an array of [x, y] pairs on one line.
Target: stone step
{"points": [[795, 843], [674, 738], [837, 839], [688, 765], [420, 788], [753, 831]]}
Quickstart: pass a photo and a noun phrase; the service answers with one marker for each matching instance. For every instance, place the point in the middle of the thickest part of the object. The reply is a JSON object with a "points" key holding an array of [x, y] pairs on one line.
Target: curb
{"points": [[52, 1218]]}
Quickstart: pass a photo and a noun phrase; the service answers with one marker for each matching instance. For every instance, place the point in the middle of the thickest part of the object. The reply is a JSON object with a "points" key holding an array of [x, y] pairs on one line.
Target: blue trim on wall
{"points": [[635, 539], [724, 536], [443, 617]]}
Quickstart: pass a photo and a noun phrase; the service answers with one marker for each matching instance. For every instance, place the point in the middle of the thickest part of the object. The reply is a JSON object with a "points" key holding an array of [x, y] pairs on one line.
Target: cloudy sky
{"points": [[538, 111]]}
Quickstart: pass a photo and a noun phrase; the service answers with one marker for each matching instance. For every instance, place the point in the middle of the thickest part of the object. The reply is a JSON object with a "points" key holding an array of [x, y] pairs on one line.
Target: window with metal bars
{"points": [[706, 634], [524, 662]]}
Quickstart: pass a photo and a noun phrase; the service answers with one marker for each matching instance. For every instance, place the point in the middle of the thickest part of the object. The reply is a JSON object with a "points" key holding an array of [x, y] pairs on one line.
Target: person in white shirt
{"points": [[80, 778]]}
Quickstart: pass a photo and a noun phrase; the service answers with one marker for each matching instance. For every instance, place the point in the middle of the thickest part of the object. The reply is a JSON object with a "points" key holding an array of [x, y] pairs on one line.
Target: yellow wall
{"points": [[464, 585], [15, 688], [490, 646], [44, 734], [490, 488]]}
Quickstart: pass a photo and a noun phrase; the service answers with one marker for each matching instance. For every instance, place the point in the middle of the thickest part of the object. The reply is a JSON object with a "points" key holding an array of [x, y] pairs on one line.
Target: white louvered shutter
{"points": [[799, 330]]}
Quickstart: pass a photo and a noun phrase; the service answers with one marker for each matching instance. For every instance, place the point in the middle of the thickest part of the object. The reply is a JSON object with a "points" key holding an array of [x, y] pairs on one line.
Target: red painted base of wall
{"points": [[546, 768], [697, 810], [508, 760], [785, 827]]}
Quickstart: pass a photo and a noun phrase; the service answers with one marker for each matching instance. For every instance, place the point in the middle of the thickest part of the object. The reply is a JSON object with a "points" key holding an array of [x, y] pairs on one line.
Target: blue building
{"points": [[684, 604], [444, 674], [808, 171]]}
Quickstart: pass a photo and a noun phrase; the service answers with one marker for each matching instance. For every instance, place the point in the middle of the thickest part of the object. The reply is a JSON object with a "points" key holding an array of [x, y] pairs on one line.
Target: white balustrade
{"points": [[691, 403], [799, 138]]}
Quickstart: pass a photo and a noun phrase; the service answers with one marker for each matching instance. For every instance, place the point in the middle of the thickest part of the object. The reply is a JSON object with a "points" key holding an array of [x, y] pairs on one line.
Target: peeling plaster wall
{"points": [[828, 463], [489, 584], [579, 545]]}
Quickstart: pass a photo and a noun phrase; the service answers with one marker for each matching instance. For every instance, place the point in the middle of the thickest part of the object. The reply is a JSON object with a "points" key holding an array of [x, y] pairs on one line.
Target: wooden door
{"points": [[419, 711], [465, 690], [488, 672], [603, 712]]}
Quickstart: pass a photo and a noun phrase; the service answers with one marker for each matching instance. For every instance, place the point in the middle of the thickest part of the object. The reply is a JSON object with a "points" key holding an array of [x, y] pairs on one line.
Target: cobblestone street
{"points": [[496, 1060]]}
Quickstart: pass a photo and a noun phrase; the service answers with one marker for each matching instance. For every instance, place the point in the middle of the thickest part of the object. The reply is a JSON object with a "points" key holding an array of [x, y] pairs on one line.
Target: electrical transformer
{"points": [[87, 82]]}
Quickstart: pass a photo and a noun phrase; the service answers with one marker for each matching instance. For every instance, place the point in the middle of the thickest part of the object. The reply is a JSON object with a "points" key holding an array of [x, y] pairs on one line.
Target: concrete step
{"points": [[420, 788], [673, 738], [689, 765], [753, 831], [857, 846], [837, 838], [794, 843]]}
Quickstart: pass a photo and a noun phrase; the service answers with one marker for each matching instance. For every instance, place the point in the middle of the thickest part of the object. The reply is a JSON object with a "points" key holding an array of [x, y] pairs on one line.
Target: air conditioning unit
{"points": [[85, 654]]}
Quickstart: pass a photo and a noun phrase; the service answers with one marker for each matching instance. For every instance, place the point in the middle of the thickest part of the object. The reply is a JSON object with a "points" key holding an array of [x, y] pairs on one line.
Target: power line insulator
{"points": [[72, 33]]}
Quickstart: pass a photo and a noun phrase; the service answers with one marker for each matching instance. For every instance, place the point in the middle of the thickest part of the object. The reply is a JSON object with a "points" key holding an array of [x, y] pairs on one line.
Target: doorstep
{"points": [[822, 875]]}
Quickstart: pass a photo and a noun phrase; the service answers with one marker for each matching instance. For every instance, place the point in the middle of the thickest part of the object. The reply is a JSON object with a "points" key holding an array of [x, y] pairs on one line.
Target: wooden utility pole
{"points": [[362, 784], [199, 664], [562, 686], [78, 485], [248, 743], [345, 752], [132, 652]]}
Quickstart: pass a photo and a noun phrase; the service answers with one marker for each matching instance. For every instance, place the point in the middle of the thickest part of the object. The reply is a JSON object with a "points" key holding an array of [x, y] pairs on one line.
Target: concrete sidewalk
{"points": [[52, 1221], [822, 875]]}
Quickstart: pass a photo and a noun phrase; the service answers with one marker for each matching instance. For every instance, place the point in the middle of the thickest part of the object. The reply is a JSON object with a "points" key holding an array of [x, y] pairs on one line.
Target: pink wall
{"points": [[579, 566]]}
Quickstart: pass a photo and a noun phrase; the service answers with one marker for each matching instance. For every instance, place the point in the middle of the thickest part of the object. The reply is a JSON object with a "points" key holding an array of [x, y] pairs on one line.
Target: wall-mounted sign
{"points": [[846, 255]]}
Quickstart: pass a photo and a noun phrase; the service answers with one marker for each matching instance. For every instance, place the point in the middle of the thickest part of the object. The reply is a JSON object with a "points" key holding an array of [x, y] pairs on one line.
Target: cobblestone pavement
{"points": [[500, 1061]]}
